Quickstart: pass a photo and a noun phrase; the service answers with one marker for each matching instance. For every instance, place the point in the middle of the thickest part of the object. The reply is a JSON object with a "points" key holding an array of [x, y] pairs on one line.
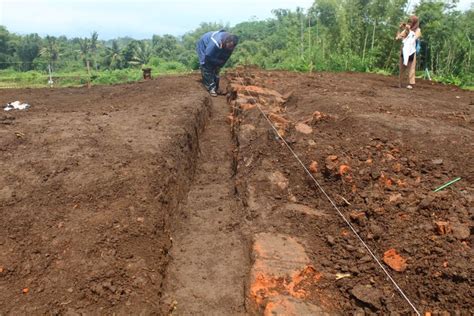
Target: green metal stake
{"points": [[444, 186]]}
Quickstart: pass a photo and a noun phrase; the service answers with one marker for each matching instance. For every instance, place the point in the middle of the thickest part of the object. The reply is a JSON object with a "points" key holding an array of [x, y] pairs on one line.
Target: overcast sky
{"points": [[135, 18]]}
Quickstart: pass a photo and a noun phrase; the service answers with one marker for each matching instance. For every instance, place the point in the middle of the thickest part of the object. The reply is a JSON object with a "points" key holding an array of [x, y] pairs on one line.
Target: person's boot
{"points": [[213, 92]]}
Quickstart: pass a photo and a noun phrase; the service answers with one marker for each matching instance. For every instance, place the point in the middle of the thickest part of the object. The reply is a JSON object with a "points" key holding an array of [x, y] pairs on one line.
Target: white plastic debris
{"points": [[17, 105]]}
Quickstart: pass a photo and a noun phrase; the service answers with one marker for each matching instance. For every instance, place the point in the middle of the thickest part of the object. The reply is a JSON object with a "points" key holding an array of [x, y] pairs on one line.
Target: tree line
{"points": [[332, 35]]}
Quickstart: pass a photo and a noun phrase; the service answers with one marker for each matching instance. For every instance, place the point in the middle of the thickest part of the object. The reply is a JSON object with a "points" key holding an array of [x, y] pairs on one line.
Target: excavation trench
{"points": [[208, 270]]}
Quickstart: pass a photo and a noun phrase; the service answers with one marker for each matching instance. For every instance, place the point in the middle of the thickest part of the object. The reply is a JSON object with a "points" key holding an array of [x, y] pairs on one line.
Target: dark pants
{"points": [[210, 77]]}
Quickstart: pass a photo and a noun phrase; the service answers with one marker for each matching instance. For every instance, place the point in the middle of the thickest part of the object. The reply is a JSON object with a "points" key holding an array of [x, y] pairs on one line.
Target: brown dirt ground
{"points": [[89, 179], [399, 145]]}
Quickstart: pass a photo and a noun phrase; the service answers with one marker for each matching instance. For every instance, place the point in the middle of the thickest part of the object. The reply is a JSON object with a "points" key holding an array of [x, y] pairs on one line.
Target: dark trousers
{"points": [[210, 77]]}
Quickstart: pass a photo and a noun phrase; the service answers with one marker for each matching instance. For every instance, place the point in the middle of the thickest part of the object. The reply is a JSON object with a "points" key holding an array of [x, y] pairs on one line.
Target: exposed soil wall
{"points": [[379, 152], [89, 178]]}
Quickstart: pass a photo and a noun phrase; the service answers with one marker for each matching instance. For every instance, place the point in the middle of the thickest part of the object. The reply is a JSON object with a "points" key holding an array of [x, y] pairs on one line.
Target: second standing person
{"points": [[409, 36]]}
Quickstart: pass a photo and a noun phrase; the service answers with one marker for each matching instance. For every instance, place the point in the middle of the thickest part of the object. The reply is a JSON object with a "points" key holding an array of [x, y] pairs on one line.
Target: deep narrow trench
{"points": [[209, 257]]}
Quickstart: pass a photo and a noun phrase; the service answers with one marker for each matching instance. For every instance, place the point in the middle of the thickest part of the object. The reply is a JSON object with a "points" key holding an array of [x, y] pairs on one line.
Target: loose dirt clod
{"points": [[461, 231], [442, 228], [368, 295], [304, 128], [394, 260]]}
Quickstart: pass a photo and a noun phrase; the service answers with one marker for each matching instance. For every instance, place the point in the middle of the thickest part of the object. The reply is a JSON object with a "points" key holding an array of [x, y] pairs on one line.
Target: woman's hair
{"points": [[414, 23]]}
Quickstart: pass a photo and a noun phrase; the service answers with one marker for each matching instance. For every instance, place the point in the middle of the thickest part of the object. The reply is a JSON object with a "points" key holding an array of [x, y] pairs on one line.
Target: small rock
{"points": [[426, 202], [303, 128], [394, 260], [437, 161], [246, 134], [442, 228], [375, 174], [394, 198], [313, 167], [72, 312], [331, 240], [461, 231], [354, 270], [292, 198], [358, 217], [368, 295], [331, 164], [351, 248], [278, 180], [359, 312]]}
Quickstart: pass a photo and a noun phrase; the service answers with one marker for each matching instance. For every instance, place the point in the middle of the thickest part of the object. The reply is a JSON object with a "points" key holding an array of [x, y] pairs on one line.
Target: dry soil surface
{"points": [[153, 198]]}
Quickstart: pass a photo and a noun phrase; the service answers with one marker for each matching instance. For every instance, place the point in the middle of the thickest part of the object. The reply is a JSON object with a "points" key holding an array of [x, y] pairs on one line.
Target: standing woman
{"points": [[409, 37]]}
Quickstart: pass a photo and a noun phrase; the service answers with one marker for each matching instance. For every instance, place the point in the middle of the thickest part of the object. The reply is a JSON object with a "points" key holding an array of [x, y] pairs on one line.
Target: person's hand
{"points": [[401, 35]]}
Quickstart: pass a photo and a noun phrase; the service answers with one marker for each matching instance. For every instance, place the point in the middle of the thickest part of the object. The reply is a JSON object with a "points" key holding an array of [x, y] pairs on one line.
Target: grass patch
{"points": [[34, 79]]}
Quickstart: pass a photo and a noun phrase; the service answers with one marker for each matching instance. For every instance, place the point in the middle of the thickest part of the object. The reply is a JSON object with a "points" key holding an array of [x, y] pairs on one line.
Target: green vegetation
{"points": [[332, 35]]}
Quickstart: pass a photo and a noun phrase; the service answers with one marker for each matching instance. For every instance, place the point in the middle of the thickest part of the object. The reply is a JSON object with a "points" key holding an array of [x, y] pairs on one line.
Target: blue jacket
{"points": [[210, 51]]}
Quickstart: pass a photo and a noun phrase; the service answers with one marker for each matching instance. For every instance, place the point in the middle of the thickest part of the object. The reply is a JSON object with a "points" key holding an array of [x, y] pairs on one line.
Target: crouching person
{"points": [[214, 49]]}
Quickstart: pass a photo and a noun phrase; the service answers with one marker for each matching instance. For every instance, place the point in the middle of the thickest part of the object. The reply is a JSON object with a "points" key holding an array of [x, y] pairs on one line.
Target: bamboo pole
{"points": [[373, 35], [365, 45]]}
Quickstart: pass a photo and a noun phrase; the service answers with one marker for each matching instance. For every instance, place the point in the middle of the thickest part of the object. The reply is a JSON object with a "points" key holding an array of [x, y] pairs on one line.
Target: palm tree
{"points": [[114, 56], [50, 51], [85, 52], [141, 53], [93, 47], [88, 49]]}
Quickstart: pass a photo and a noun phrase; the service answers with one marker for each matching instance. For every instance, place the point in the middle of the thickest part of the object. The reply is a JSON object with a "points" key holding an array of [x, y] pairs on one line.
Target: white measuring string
{"points": [[332, 202]]}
